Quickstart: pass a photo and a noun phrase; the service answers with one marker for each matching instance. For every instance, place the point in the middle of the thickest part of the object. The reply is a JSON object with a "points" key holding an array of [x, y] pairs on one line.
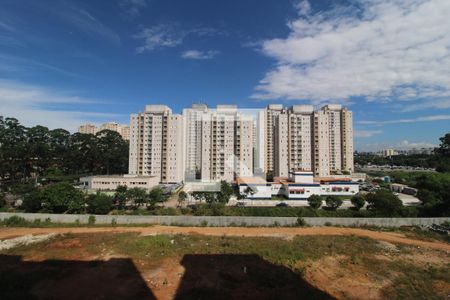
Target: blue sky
{"points": [[65, 62]]}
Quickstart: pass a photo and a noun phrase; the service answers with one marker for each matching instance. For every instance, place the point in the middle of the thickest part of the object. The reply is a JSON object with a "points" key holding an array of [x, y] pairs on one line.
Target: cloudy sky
{"points": [[66, 62]]}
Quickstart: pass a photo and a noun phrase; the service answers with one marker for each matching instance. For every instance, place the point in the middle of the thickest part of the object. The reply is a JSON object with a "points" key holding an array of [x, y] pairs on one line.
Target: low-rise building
{"points": [[300, 185], [111, 182], [123, 130], [389, 152], [402, 188]]}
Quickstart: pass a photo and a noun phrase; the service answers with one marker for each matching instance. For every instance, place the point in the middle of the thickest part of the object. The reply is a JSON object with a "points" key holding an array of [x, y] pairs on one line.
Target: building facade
{"points": [[88, 129], [192, 123], [301, 138], [299, 185], [111, 182], [224, 143], [123, 130], [156, 144]]}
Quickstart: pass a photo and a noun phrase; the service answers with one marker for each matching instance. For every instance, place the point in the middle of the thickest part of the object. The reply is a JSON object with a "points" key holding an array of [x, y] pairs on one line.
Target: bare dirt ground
{"points": [[165, 262], [282, 232]]}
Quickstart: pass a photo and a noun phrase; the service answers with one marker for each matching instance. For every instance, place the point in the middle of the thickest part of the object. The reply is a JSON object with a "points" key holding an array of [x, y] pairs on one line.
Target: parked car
{"points": [[282, 204]]}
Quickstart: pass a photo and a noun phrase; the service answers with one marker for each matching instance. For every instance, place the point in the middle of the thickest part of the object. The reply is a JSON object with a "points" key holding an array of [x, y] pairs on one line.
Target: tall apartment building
{"points": [[123, 130], [156, 144], [266, 138], [226, 143], [88, 129], [192, 121], [347, 140], [321, 144], [301, 138]]}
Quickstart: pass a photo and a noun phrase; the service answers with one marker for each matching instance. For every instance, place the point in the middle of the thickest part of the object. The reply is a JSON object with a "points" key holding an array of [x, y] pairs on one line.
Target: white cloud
{"points": [[169, 35], [132, 7], [411, 120], [437, 103], [377, 49], [366, 133], [303, 7], [199, 55], [12, 63], [84, 21], [33, 105]]}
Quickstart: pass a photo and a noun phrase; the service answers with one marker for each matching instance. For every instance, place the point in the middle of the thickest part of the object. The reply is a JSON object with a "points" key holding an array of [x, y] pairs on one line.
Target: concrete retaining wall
{"points": [[227, 221]]}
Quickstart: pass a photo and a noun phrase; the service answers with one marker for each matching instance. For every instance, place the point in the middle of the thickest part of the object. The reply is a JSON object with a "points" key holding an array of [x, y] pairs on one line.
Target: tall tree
{"points": [[38, 145], [113, 152], [13, 148], [443, 154]]}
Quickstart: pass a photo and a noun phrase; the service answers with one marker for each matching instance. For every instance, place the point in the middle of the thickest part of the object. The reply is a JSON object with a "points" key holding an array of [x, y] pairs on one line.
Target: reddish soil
{"points": [[283, 232]]}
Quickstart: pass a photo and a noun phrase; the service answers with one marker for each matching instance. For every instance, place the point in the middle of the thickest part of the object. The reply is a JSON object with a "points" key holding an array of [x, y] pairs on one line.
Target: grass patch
{"points": [[408, 280]]}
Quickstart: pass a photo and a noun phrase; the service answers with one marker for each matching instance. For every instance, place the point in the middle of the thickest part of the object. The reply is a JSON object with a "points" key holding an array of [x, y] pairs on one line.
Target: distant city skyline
{"points": [[64, 63]]}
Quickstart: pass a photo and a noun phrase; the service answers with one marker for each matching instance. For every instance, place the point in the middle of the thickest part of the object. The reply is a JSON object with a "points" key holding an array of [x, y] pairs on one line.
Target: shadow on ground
{"points": [[241, 277], [117, 278], [205, 277]]}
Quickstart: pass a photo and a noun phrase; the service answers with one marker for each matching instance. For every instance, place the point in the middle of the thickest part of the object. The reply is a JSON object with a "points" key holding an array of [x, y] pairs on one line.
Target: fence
{"points": [[227, 220]]}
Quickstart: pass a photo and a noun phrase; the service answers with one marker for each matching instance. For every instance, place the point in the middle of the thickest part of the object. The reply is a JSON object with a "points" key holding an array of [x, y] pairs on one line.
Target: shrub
{"points": [[120, 197], [218, 209], [315, 201], [333, 202], [32, 202], [358, 201], [62, 197], [91, 220], [156, 196], [226, 190], [15, 221], [2, 200], [99, 204], [385, 203], [301, 222], [136, 195], [182, 196]]}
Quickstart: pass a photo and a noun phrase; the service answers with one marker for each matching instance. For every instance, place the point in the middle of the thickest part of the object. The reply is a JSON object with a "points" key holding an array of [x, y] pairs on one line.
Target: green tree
{"points": [[155, 196], [226, 190], [120, 196], [137, 196], [38, 145], [182, 196], [62, 197], [385, 203], [333, 202], [2, 199], [26, 152], [443, 154], [99, 203], [113, 152], [82, 156], [13, 149], [315, 201], [59, 146], [32, 202], [358, 201]]}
